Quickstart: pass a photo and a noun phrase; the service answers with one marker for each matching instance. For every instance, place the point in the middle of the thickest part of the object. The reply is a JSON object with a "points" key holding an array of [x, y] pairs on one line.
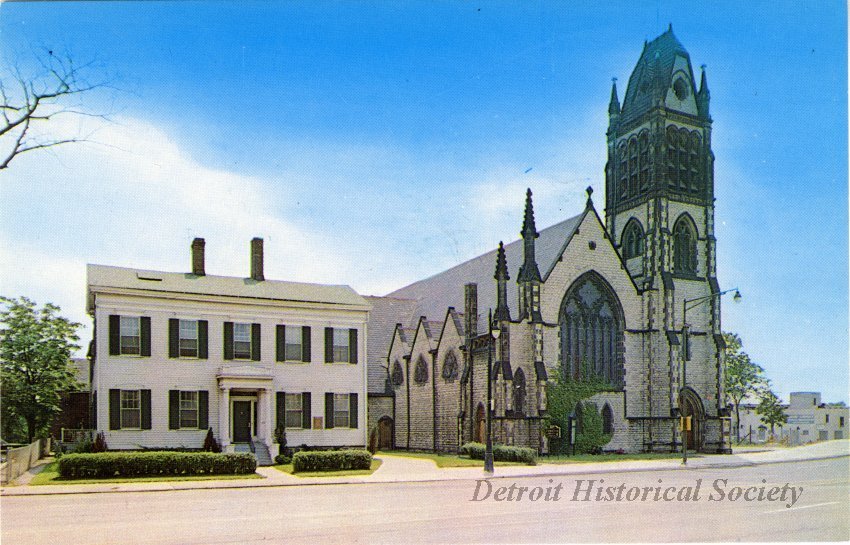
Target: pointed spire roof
{"points": [[653, 74], [614, 105], [501, 264], [528, 227], [703, 96]]}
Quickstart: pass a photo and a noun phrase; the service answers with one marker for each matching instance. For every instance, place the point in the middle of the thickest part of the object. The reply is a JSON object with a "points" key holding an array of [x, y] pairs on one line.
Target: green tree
{"points": [[743, 376], [771, 410], [35, 361]]}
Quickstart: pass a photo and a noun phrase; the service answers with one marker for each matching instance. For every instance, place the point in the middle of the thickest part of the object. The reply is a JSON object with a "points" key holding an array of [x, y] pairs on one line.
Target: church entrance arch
{"points": [[480, 424], [385, 433], [690, 404]]}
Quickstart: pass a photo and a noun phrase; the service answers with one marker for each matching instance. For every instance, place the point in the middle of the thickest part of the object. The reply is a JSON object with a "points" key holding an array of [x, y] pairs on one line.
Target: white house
{"points": [[178, 353]]}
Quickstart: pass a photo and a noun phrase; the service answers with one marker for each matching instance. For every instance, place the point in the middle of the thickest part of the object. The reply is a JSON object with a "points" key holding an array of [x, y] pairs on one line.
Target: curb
{"points": [[28, 490]]}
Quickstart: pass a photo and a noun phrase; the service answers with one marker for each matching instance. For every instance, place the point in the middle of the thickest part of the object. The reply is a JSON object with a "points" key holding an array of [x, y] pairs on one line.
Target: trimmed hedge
{"points": [[501, 453], [331, 460], [151, 464]]}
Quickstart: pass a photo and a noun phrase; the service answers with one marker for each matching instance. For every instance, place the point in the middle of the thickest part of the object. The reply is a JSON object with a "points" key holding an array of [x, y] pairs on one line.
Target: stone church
{"points": [[583, 295]]}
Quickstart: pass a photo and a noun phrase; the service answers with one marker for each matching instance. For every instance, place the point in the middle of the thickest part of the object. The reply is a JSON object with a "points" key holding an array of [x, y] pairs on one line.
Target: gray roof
{"points": [[653, 74], [435, 294], [386, 313], [103, 276]]}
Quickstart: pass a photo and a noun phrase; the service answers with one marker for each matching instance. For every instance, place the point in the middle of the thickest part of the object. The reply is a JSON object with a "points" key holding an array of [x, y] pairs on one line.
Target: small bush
{"points": [[99, 444], [210, 444], [501, 453], [146, 464], [282, 459], [331, 460]]}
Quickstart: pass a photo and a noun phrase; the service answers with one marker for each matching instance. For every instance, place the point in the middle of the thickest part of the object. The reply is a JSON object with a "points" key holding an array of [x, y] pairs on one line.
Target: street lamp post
{"points": [[689, 304], [488, 451]]}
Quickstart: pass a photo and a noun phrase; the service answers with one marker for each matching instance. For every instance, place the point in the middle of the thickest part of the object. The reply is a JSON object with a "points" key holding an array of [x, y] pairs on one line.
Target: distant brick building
{"points": [[809, 420], [608, 295]]}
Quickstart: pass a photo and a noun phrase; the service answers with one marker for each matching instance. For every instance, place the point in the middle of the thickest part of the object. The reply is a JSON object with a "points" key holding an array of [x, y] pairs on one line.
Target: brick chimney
{"points": [[257, 259], [198, 257], [470, 310]]}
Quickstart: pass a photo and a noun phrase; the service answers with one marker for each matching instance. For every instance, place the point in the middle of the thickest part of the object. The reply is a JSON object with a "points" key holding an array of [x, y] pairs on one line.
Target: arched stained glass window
{"points": [[420, 373], [684, 246], [397, 375], [519, 391], [607, 419], [591, 328], [450, 366], [633, 240]]}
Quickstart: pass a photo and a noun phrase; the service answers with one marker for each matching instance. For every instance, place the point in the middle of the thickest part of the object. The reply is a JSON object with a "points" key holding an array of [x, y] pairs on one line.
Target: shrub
{"points": [[282, 459], [143, 464], [331, 460], [210, 444], [83, 446], [99, 444], [501, 453]]}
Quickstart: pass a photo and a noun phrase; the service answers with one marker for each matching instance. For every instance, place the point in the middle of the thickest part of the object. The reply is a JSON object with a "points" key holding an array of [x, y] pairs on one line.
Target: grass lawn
{"points": [[287, 468], [50, 475], [448, 460], [589, 458]]}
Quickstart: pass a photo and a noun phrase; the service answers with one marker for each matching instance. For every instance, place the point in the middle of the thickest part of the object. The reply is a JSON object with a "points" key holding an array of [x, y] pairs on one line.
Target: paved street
{"points": [[433, 512]]}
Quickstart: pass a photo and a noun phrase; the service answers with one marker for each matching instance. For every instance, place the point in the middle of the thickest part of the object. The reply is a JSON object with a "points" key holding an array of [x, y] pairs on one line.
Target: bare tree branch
{"points": [[41, 98]]}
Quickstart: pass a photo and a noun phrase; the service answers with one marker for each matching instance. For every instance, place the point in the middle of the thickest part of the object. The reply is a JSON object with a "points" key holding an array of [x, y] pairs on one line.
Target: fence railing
{"points": [[19, 460], [69, 435]]}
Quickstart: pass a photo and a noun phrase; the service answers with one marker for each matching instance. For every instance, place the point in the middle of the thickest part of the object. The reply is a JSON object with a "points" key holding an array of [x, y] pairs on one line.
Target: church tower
{"points": [[659, 206]]}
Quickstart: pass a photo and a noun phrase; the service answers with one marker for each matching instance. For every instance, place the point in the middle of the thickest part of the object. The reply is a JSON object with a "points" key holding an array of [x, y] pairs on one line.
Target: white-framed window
{"points": [[342, 418], [131, 335], [242, 341], [341, 346], [131, 409], [188, 409], [188, 338], [294, 410], [293, 347]]}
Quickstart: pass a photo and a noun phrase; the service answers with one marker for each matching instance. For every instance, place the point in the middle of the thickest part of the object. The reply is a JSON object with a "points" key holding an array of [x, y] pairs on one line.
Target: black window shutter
{"points": [[352, 408], [255, 342], [173, 338], [203, 409], [305, 344], [280, 348], [306, 411], [329, 345], [329, 410], [93, 424], [281, 409], [145, 330], [352, 346], [173, 409], [114, 335], [114, 409], [228, 340], [146, 409], [203, 339]]}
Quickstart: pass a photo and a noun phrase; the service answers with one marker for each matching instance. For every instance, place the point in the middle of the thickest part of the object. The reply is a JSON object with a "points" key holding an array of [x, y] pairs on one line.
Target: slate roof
{"points": [[655, 66], [386, 313], [434, 295], [102, 276]]}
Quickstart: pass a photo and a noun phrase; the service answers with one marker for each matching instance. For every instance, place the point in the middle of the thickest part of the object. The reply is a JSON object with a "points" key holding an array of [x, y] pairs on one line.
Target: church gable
{"points": [[590, 249]]}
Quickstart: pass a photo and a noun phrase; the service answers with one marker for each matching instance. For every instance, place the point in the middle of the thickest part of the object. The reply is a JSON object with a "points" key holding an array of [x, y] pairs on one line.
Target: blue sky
{"points": [[374, 144]]}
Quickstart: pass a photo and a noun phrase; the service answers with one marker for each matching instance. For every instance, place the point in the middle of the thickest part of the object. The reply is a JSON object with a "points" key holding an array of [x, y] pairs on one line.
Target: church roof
{"points": [[386, 312], [653, 74], [434, 295]]}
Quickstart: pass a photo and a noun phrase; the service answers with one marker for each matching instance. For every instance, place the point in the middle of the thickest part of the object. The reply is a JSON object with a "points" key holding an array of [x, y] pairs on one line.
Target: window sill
{"points": [[294, 362]]}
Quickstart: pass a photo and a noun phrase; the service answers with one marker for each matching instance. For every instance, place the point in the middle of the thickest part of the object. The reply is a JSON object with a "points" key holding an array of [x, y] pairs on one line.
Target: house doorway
{"points": [[385, 433], [243, 411]]}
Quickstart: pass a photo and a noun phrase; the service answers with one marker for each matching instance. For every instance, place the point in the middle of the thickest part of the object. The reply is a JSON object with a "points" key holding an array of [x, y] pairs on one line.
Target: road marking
{"points": [[798, 508]]}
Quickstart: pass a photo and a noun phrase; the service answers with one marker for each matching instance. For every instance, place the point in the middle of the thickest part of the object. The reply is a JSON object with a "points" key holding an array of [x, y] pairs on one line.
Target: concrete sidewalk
{"points": [[402, 469]]}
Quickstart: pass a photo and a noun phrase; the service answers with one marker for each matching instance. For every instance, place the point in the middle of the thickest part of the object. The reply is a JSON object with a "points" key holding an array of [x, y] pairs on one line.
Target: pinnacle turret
{"points": [[529, 270], [614, 105], [502, 277], [703, 95]]}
